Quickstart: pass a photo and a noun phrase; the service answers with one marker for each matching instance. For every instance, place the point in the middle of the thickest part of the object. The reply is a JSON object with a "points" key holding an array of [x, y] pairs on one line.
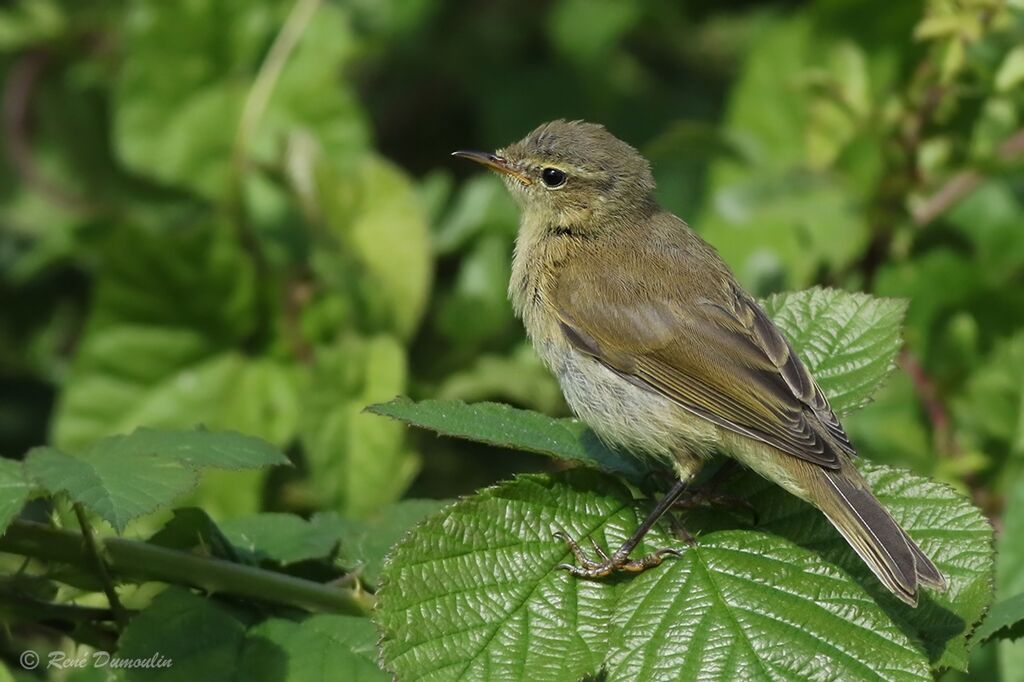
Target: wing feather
{"points": [[719, 357]]}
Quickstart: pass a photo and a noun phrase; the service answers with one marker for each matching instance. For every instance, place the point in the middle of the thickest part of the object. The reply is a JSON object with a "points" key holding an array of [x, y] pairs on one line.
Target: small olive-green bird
{"points": [[660, 351]]}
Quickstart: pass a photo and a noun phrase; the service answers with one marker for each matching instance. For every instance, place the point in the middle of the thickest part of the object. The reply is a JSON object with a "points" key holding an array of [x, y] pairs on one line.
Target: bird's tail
{"points": [[885, 547]]}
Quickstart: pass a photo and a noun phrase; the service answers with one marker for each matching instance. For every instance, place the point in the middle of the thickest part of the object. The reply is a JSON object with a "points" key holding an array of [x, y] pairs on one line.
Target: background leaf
{"points": [[117, 489], [14, 491], [365, 542], [1005, 620], [281, 538], [124, 477], [204, 637], [199, 448], [357, 463]]}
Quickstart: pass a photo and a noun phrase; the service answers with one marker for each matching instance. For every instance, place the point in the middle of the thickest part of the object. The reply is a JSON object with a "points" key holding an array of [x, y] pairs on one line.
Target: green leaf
{"points": [[475, 591], [365, 542], [356, 463], [519, 378], [179, 98], [108, 483], [388, 233], [191, 529], [162, 345], [951, 531], [1004, 621], [29, 22], [848, 340], [121, 478], [991, 409], [202, 637], [607, 22], [1011, 71], [508, 427], [322, 647], [14, 491], [773, 221], [779, 232], [200, 448], [482, 206], [207, 640], [1010, 573], [476, 311], [282, 538]]}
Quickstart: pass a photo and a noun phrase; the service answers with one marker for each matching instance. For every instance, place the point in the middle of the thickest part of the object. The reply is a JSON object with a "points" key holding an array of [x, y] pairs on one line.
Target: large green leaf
{"points": [[207, 640], [474, 592], [179, 98], [952, 532], [321, 648], [115, 488], [121, 478], [779, 233], [775, 216], [848, 340], [509, 427], [356, 463], [162, 345], [165, 346], [386, 228], [519, 378]]}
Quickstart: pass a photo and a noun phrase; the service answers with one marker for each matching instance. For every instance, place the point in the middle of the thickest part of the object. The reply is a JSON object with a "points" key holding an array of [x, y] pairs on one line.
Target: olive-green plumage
{"points": [[658, 348]]}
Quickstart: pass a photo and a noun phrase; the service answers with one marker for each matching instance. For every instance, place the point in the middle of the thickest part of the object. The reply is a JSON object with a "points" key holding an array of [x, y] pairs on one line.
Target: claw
{"points": [[599, 551], [619, 561]]}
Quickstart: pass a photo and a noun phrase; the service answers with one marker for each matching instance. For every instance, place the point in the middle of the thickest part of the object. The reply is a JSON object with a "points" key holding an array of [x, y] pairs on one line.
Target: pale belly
{"points": [[628, 416]]}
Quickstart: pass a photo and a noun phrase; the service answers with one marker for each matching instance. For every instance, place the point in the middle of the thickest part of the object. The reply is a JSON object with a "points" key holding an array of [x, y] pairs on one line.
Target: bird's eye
{"points": [[552, 177]]}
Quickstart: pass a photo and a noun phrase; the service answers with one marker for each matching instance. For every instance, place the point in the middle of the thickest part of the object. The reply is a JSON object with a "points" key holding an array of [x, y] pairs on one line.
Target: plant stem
{"points": [[963, 183], [270, 70], [18, 606], [100, 565], [137, 561]]}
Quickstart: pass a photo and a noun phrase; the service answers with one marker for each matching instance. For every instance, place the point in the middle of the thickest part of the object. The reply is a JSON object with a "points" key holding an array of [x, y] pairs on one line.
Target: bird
{"points": [[661, 352]]}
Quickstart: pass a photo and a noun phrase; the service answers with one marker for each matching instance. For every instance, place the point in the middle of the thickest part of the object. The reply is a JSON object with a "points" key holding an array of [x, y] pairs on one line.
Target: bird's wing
{"points": [[712, 351]]}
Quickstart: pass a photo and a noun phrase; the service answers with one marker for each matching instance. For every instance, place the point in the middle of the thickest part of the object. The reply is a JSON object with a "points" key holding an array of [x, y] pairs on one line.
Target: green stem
{"points": [[16, 606], [100, 565], [136, 561], [253, 110], [270, 71]]}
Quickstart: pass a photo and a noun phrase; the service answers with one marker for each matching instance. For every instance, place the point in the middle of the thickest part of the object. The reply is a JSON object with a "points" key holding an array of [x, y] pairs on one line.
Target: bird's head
{"points": [[572, 173]]}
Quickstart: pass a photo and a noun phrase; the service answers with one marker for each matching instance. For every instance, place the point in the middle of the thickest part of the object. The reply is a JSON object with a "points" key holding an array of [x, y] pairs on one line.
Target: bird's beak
{"points": [[494, 162]]}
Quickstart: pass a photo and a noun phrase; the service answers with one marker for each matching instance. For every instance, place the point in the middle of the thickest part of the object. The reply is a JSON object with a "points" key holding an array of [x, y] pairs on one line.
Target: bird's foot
{"points": [[619, 561]]}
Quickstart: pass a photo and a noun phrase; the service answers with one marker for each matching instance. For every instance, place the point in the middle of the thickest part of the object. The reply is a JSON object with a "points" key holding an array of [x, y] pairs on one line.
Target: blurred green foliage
{"points": [[243, 214]]}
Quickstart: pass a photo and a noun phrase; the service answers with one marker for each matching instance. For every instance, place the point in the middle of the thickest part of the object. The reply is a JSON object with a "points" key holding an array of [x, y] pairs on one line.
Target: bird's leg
{"points": [[707, 494], [620, 561]]}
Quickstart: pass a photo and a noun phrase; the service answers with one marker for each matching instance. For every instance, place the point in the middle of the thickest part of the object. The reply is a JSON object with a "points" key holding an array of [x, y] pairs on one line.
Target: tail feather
{"points": [[885, 547], [927, 573]]}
